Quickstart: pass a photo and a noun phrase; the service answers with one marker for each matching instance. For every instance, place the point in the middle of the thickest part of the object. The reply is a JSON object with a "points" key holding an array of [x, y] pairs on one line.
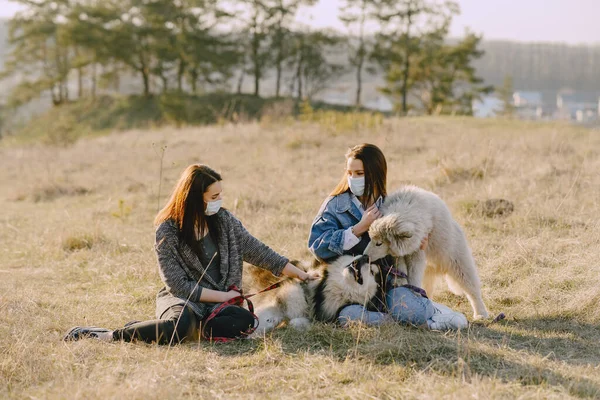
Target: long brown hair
{"points": [[375, 172], [186, 205]]}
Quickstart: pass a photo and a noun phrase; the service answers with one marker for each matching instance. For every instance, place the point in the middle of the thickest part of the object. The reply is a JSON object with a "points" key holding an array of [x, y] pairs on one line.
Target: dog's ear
{"points": [[400, 236], [402, 230], [388, 232]]}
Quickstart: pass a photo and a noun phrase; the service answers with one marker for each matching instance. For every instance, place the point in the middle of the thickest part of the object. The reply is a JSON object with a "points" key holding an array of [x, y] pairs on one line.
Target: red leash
{"points": [[238, 301]]}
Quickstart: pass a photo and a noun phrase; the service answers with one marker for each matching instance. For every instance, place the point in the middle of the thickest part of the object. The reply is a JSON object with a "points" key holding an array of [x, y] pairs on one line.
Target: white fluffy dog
{"points": [[409, 215], [345, 280]]}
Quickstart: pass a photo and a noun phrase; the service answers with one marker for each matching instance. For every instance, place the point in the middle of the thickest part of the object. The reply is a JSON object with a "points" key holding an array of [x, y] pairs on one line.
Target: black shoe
{"points": [[80, 332]]}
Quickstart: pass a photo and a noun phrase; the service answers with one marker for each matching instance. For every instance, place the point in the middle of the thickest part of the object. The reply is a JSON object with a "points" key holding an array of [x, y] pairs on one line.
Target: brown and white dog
{"points": [[345, 280]]}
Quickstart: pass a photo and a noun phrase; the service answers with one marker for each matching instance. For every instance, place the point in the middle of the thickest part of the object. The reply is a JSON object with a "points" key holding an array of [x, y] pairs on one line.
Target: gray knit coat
{"points": [[183, 274]]}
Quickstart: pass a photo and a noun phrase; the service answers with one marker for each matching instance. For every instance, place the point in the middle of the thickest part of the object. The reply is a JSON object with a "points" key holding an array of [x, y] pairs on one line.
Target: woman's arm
{"points": [[259, 254], [326, 239], [216, 296], [294, 272]]}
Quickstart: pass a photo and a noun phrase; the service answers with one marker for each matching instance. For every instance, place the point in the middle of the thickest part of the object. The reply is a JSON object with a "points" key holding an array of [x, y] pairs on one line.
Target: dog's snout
{"points": [[356, 268]]}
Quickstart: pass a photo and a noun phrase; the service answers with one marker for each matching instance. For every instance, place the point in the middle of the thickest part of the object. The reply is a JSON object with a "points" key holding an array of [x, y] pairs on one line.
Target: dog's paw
{"points": [[480, 316], [300, 324]]}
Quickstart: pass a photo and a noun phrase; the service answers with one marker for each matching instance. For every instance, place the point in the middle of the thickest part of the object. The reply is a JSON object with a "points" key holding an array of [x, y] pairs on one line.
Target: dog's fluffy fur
{"points": [[409, 215], [345, 280]]}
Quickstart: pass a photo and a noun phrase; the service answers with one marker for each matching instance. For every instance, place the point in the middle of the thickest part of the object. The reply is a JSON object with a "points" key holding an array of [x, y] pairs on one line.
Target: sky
{"points": [[569, 21]]}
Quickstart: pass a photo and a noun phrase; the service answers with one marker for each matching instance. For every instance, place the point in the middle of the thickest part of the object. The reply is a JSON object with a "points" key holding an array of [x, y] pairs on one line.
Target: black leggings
{"points": [[231, 322], [179, 324]]}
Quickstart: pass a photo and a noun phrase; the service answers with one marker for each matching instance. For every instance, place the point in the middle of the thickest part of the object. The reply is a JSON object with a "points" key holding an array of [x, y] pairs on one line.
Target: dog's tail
{"points": [[255, 279]]}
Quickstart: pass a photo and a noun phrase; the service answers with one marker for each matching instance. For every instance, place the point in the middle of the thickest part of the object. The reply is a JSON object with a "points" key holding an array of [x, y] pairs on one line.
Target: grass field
{"points": [[76, 246]]}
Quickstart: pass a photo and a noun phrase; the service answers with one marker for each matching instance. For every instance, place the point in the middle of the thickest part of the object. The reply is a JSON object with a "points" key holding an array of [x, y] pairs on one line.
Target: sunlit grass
{"points": [[76, 240]]}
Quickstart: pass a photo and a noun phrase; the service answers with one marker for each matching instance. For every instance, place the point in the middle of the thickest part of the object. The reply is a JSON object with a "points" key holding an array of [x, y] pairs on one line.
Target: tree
{"points": [[186, 44], [91, 50], [355, 14], [505, 94], [283, 13], [257, 30], [442, 76], [121, 34], [40, 52], [404, 21], [314, 72]]}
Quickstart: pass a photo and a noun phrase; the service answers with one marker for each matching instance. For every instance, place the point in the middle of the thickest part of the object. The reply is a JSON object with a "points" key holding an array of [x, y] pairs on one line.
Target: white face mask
{"points": [[212, 207], [357, 185]]}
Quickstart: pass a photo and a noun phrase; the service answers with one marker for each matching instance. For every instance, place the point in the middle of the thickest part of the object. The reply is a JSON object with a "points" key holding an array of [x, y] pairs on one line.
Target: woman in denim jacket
{"points": [[341, 227]]}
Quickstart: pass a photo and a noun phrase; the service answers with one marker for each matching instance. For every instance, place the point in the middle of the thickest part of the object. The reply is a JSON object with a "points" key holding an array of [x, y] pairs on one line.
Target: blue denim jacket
{"points": [[337, 214]]}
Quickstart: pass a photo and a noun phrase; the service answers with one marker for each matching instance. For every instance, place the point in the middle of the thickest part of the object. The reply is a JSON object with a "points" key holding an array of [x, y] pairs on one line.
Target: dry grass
{"points": [[87, 258]]}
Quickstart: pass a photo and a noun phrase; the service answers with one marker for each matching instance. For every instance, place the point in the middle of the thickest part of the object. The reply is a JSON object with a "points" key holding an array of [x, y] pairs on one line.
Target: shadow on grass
{"points": [[501, 351], [555, 338]]}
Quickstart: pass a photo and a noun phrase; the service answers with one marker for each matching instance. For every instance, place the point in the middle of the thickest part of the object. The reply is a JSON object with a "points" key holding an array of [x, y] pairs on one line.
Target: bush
{"points": [[65, 124]]}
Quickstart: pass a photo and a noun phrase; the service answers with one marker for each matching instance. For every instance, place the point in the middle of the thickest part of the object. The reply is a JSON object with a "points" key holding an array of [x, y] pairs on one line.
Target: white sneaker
{"points": [[444, 318]]}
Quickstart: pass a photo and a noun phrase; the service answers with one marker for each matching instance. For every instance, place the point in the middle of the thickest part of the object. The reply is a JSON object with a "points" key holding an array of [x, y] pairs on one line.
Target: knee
{"points": [[353, 312], [185, 324], [242, 319], [409, 307]]}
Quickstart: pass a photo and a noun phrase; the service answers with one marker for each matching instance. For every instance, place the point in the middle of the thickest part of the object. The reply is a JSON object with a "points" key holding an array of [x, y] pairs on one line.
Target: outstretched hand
{"points": [[311, 276], [294, 272]]}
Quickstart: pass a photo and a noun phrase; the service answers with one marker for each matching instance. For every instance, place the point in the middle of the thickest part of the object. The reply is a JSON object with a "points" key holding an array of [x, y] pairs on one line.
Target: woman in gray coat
{"points": [[200, 249]]}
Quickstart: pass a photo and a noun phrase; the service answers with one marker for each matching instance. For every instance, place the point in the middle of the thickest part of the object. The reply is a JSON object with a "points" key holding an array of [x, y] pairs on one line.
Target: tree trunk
{"points": [[292, 86], [406, 66], [279, 59], [180, 73], [145, 74], [256, 63], [55, 96], [361, 56], [193, 80], [299, 78], [79, 83], [93, 89], [256, 84], [165, 82], [299, 68], [240, 81], [278, 79], [79, 76], [146, 80]]}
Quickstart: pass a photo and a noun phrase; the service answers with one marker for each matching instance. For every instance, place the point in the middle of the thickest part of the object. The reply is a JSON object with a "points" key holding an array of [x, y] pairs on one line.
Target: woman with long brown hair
{"points": [[200, 249], [341, 227]]}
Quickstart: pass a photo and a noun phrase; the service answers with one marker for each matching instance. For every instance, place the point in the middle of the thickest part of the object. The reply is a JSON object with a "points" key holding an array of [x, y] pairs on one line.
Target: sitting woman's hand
{"points": [[371, 214], [294, 272], [230, 295], [310, 276]]}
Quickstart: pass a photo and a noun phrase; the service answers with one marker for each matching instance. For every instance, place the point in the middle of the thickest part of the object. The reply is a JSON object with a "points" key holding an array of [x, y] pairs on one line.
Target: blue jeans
{"points": [[404, 306]]}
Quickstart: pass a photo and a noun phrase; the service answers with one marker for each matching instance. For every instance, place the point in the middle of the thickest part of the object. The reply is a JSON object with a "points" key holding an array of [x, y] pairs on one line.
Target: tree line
{"points": [[198, 46]]}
